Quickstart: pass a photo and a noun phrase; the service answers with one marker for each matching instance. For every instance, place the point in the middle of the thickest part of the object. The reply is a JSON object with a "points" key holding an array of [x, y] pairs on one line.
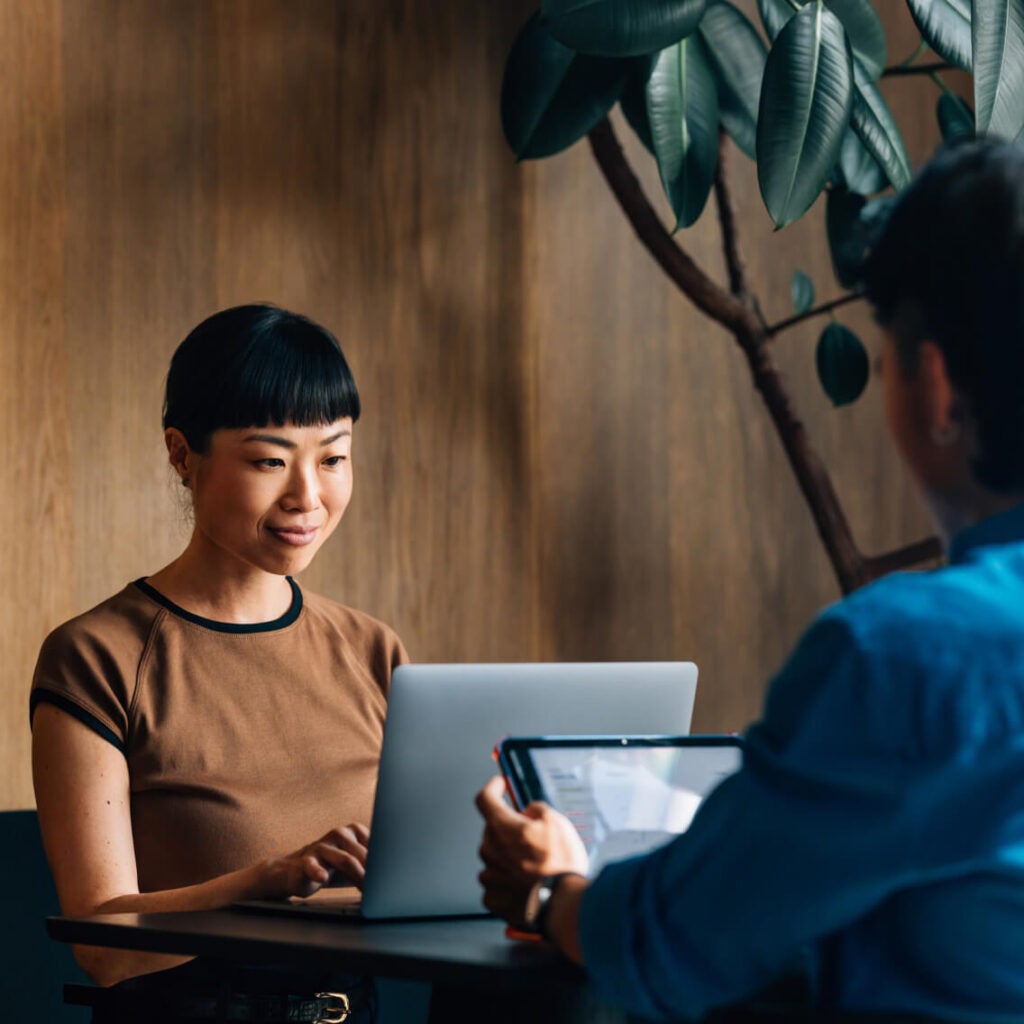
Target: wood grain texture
{"points": [[558, 458]]}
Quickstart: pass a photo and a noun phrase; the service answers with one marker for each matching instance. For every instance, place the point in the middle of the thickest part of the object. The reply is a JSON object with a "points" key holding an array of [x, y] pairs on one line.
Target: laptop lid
{"points": [[442, 726]]}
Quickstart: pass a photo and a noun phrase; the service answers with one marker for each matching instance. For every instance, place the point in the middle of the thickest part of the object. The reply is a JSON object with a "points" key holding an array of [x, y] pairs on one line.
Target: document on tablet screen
{"points": [[625, 801]]}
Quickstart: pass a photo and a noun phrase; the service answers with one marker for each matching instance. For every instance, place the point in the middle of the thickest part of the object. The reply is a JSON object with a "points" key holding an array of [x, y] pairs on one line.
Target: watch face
{"points": [[536, 901]]}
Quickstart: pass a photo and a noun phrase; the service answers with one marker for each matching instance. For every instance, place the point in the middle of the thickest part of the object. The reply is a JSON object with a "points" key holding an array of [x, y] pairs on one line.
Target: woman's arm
{"points": [[83, 795]]}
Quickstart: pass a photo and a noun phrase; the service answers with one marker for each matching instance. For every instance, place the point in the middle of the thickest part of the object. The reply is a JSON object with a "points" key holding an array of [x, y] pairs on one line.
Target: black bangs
{"points": [[253, 366]]}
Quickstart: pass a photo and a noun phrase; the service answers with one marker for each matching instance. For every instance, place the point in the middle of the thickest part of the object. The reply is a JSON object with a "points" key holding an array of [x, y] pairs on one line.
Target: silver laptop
{"points": [[442, 726]]}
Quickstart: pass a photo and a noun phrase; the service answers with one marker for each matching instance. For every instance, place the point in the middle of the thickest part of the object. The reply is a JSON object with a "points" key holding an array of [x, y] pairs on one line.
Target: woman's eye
{"points": [[334, 460], [270, 463]]}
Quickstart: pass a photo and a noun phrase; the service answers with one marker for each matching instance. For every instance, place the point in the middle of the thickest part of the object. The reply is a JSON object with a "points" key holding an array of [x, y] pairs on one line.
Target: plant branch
{"points": [[752, 337], [913, 554], [901, 71], [709, 297], [825, 307], [734, 261]]}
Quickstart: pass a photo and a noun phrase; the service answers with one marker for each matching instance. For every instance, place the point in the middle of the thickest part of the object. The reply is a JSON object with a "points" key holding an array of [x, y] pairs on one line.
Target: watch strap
{"points": [[540, 897]]}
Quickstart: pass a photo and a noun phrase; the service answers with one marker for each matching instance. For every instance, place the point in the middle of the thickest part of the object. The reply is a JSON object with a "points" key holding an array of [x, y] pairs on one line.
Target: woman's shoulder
{"points": [[358, 628], [89, 665], [120, 623]]}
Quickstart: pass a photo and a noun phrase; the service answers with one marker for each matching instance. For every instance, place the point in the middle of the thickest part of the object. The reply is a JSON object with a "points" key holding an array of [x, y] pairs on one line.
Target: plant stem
{"points": [[738, 311], [750, 333], [921, 47], [825, 307], [705, 294], [734, 261], [899, 70], [913, 554]]}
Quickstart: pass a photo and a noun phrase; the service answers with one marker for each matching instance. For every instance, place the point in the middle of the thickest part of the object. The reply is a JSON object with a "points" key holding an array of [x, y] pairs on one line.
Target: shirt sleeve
{"points": [[87, 678], [811, 832]]}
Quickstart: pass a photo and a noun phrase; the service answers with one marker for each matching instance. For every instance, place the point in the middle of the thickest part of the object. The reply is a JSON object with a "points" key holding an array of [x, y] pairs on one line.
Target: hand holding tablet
{"points": [[625, 795]]}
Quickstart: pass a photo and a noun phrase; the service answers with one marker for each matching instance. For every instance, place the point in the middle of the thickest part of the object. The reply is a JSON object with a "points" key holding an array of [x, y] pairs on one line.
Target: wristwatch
{"points": [[538, 903]]}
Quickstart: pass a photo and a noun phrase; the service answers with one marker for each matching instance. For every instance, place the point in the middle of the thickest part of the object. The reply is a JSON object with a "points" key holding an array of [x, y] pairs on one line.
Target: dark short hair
{"points": [[949, 267], [256, 365]]}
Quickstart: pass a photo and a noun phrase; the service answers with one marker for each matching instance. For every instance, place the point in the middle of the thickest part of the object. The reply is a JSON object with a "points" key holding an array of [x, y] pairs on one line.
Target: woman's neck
{"points": [[222, 590]]}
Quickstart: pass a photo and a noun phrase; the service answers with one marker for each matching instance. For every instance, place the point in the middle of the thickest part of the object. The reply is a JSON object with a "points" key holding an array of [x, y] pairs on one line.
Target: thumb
{"points": [[538, 810]]}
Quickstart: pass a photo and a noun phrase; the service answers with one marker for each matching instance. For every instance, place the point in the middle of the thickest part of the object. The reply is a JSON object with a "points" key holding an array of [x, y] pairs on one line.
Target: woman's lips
{"points": [[296, 536]]}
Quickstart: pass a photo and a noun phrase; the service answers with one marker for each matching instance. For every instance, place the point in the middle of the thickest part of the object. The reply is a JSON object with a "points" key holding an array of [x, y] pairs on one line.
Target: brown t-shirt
{"points": [[241, 741]]}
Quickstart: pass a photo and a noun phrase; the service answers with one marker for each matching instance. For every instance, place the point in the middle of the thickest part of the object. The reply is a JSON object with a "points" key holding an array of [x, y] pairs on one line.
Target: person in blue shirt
{"points": [[877, 822]]}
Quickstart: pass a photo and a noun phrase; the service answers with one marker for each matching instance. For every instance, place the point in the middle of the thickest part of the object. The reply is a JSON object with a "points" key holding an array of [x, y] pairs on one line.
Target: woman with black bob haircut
{"points": [[211, 732]]}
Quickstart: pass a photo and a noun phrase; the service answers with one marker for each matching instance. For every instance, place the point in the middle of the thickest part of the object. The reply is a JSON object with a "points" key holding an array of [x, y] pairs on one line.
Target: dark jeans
{"points": [[149, 999]]}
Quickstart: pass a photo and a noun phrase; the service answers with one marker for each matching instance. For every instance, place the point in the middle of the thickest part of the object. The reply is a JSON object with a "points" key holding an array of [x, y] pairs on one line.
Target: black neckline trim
{"points": [[228, 627]]}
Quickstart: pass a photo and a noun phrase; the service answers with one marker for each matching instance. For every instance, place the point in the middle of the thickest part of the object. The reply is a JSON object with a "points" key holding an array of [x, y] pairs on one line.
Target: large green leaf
{"points": [[737, 55], [865, 32], [805, 107], [955, 118], [843, 366], [857, 169], [998, 38], [945, 25], [551, 96], [775, 14], [877, 129], [634, 100], [621, 28], [858, 17], [682, 108]]}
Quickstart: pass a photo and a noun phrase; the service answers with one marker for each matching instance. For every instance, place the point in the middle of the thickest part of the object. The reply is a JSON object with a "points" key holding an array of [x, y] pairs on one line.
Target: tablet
{"points": [[626, 795]]}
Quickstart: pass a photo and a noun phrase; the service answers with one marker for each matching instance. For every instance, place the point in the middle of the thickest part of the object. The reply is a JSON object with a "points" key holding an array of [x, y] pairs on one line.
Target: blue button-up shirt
{"points": [[878, 819]]}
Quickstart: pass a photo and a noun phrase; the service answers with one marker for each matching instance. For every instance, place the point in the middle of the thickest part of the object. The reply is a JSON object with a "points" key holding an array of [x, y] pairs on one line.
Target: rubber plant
{"points": [[799, 96]]}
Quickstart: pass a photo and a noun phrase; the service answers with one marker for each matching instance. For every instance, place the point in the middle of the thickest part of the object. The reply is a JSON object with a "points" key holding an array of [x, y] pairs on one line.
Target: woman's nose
{"points": [[302, 493]]}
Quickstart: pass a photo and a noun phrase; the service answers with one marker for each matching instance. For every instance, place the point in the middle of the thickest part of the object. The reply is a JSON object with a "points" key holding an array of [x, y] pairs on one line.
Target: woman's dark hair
{"points": [[253, 366], [949, 267]]}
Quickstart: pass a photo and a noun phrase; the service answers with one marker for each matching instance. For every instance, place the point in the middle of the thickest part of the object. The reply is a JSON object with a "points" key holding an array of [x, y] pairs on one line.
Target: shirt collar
{"points": [[1003, 528]]}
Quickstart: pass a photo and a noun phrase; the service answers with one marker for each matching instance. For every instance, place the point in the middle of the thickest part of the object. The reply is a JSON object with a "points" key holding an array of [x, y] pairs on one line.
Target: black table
{"points": [[477, 974]]}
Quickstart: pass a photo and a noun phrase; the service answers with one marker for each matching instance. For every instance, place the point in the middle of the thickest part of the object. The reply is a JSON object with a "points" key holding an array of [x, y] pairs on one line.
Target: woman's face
{"points": [[268, 497]]}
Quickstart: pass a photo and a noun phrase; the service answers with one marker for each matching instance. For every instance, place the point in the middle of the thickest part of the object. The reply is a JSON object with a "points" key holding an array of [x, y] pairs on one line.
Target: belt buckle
{"points": [[337, 1010]]}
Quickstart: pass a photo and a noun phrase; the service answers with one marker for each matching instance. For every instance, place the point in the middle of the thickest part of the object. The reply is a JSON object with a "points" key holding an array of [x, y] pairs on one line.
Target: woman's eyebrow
{"points": [[283, 442], [344, 432], [270, 439]]}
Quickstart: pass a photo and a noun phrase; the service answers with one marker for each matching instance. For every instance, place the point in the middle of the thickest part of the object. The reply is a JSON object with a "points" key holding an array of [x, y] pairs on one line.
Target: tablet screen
{"points": [[628, 798]]}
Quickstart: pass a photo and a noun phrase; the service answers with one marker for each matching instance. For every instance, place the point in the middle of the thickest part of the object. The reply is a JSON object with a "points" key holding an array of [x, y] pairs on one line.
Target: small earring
{"points": [[184, 481]]}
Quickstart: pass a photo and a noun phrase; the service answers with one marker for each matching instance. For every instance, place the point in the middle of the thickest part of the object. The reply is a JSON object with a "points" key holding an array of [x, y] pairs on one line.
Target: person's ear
{"points": [[943, 406], [179, 454]]}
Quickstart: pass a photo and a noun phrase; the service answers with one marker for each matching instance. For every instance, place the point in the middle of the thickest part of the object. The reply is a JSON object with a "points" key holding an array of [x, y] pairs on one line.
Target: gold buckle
{"points": [[337, 1010]]}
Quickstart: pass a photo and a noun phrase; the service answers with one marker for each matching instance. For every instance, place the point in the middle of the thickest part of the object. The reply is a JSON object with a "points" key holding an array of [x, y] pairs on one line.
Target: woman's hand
{"points": [[520, 848], [342, 851]]}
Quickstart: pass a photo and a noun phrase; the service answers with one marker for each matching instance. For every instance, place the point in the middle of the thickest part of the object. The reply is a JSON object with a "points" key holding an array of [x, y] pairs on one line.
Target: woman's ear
{"points": [[179, 454], [943, 406]]}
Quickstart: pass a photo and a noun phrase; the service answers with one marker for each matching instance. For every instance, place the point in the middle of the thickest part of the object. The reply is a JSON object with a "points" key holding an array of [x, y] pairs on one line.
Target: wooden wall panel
{"points": [[558, 457], [36, 510]]}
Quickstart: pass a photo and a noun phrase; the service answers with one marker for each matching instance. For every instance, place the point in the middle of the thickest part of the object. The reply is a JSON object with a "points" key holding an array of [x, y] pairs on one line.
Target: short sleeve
{"points": [[88, 676]]}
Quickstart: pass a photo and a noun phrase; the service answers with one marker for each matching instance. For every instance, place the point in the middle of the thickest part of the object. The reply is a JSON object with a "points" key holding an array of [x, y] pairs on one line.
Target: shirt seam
{"points": [[147, 649]]}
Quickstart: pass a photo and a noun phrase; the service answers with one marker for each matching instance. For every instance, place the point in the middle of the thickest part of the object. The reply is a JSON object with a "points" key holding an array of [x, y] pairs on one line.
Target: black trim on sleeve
{"points": [[228, 627], [60, 701]]}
